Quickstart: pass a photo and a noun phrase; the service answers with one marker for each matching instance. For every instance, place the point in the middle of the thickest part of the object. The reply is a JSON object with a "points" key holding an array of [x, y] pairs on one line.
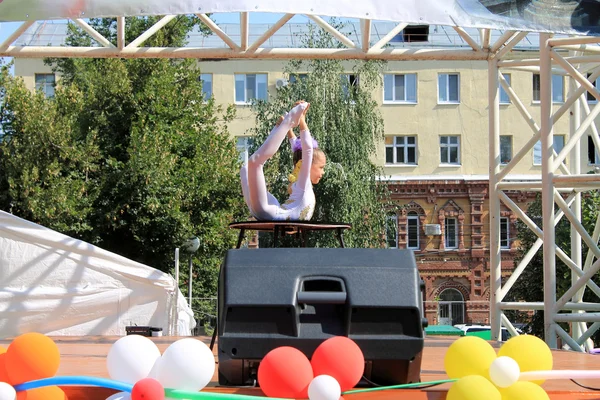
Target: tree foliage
{"points": [[128, 155], [530, 285], [345, 120]]}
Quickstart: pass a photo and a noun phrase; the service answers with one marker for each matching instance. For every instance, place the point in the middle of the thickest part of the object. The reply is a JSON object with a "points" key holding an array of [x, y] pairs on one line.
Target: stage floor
{"points": [[87, 356]]}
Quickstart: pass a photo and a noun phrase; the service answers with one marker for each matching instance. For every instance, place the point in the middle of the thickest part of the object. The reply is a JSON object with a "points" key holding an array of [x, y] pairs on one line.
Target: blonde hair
{"points": [[293, 177]]}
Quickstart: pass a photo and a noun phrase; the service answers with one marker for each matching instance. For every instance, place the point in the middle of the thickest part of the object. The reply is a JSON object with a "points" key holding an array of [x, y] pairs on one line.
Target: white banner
{"points": [[561, 16]]}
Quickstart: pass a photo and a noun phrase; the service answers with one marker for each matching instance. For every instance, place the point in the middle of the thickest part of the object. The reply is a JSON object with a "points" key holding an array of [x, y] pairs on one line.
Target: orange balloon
{"points": [[44, 393], [31, 356], [3, 373]]}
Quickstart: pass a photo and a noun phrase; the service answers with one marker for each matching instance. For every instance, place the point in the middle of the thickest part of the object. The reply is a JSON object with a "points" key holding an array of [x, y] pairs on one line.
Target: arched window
{"points": [[412, 229], [391, 231], [451, 295]]}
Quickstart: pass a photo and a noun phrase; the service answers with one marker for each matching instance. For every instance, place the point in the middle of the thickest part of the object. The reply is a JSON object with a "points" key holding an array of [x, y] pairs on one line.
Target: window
{"points": [[451, 233], [558, 144], [391, 231], [450, 149], [249, 87], [45, 83], [298, 77], [504, 233], [504, 99], [557, 88], [412, 227], [593, 154], [505, 149], [448, 88], [207, 88], [416, 33], [400, 88], [243, 147], [412, 33], [401, 150], [349, 84]]}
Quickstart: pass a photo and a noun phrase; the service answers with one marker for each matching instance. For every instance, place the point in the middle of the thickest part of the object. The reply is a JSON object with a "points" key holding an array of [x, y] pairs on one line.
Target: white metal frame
{"points": [[245, 50], [556, 179]]}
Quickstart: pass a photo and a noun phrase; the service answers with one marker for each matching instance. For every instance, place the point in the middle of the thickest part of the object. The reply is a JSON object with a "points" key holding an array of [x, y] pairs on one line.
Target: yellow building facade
{"points": [[435, 159]]}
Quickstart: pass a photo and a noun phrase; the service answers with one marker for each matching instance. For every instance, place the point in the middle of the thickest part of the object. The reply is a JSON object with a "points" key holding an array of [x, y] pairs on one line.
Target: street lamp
{"points": [[191, 246]]}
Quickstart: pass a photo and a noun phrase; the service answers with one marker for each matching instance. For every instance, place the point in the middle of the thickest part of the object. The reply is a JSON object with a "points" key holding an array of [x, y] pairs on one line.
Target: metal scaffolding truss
{"points": [[574, 57], [243, 48]]}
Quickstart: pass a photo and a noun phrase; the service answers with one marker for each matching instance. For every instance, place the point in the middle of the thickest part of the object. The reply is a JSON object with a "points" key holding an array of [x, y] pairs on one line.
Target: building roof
{"points": [[54, 33]]}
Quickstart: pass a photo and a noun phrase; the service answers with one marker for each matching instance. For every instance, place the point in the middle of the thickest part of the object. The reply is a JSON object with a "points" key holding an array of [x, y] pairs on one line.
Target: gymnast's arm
{"points": [[307, 155]]}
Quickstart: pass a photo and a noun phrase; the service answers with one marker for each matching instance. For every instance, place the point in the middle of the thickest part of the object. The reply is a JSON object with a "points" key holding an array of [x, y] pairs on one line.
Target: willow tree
{"points": [[345, 120]]}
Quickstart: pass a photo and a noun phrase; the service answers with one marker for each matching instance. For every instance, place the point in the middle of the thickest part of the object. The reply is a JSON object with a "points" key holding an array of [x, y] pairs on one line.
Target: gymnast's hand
{"points": [[302, 122]]}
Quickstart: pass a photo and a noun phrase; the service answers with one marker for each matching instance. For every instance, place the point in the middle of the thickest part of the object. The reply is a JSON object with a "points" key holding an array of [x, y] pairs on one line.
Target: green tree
{"points": [[345, 120], [128, 155], [530, 285]]}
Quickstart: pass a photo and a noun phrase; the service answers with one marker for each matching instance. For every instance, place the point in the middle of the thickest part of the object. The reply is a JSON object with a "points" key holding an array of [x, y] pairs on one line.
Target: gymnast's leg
{"points": [[258, 196]]}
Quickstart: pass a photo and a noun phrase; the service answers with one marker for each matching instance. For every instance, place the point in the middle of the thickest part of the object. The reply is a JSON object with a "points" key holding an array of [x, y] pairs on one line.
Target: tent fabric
{"points": [[581, 16], [57, 285]]}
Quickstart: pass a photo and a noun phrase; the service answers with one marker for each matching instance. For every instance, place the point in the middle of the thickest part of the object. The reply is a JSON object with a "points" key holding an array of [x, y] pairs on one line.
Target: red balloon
{"points": [[148, 389], [285, 372], [341, 358]]}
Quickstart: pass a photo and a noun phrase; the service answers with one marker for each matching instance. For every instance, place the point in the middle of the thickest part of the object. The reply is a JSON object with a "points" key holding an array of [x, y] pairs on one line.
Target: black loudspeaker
{"points": [[299, 297]]}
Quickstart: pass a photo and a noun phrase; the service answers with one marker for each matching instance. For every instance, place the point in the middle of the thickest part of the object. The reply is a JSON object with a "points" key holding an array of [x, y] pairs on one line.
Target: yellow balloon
{"points": [[473, 387], [530, 352], [469, 355], [524, 391]]}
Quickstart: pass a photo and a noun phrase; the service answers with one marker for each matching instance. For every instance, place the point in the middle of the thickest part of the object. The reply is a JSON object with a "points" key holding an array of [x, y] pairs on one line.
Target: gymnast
{"points": [[309, 164]]}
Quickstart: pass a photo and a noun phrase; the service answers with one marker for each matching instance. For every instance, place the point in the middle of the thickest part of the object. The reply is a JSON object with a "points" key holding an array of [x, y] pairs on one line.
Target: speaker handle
{"points": [[321, 297], [322, 290]]}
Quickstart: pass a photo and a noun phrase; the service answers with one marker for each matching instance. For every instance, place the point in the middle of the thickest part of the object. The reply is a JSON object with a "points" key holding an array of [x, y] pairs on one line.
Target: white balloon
{"points": [[154, 371], [131, 358], [7, 392], [504, 371], [324, 387], [187, 364], [120, 396]]}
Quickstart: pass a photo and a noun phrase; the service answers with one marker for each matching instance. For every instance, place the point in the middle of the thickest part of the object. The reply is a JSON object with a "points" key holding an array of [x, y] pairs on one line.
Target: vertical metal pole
{"points": [[176, 330], [494, 214], [547, 191], [190, 282], [577, 328]]}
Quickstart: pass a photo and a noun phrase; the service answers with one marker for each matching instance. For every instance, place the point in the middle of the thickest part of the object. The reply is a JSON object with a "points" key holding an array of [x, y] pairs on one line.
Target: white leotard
{"points": [[263, 205]]}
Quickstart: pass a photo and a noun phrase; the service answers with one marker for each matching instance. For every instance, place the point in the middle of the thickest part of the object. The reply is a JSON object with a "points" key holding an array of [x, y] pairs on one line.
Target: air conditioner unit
{"points": [[433, 229], [280, 83]]}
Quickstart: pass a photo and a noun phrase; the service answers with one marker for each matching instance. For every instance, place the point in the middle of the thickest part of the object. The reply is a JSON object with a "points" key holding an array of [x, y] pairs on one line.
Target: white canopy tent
{"points": [[57, 285], [577, 57]]}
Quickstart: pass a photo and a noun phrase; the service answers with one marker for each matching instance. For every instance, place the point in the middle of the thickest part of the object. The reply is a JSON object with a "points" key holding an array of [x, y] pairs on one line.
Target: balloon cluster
{"points": [[187, 364], [30, 356], [336, 366], [483, 374]]}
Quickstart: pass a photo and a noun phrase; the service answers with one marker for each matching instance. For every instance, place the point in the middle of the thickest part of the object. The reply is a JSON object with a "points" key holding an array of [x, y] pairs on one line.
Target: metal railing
{"points": [[205, 313]]}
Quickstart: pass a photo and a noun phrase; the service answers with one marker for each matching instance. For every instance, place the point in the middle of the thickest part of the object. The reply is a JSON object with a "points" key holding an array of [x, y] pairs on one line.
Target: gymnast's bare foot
{"points": [[296, 112]]}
